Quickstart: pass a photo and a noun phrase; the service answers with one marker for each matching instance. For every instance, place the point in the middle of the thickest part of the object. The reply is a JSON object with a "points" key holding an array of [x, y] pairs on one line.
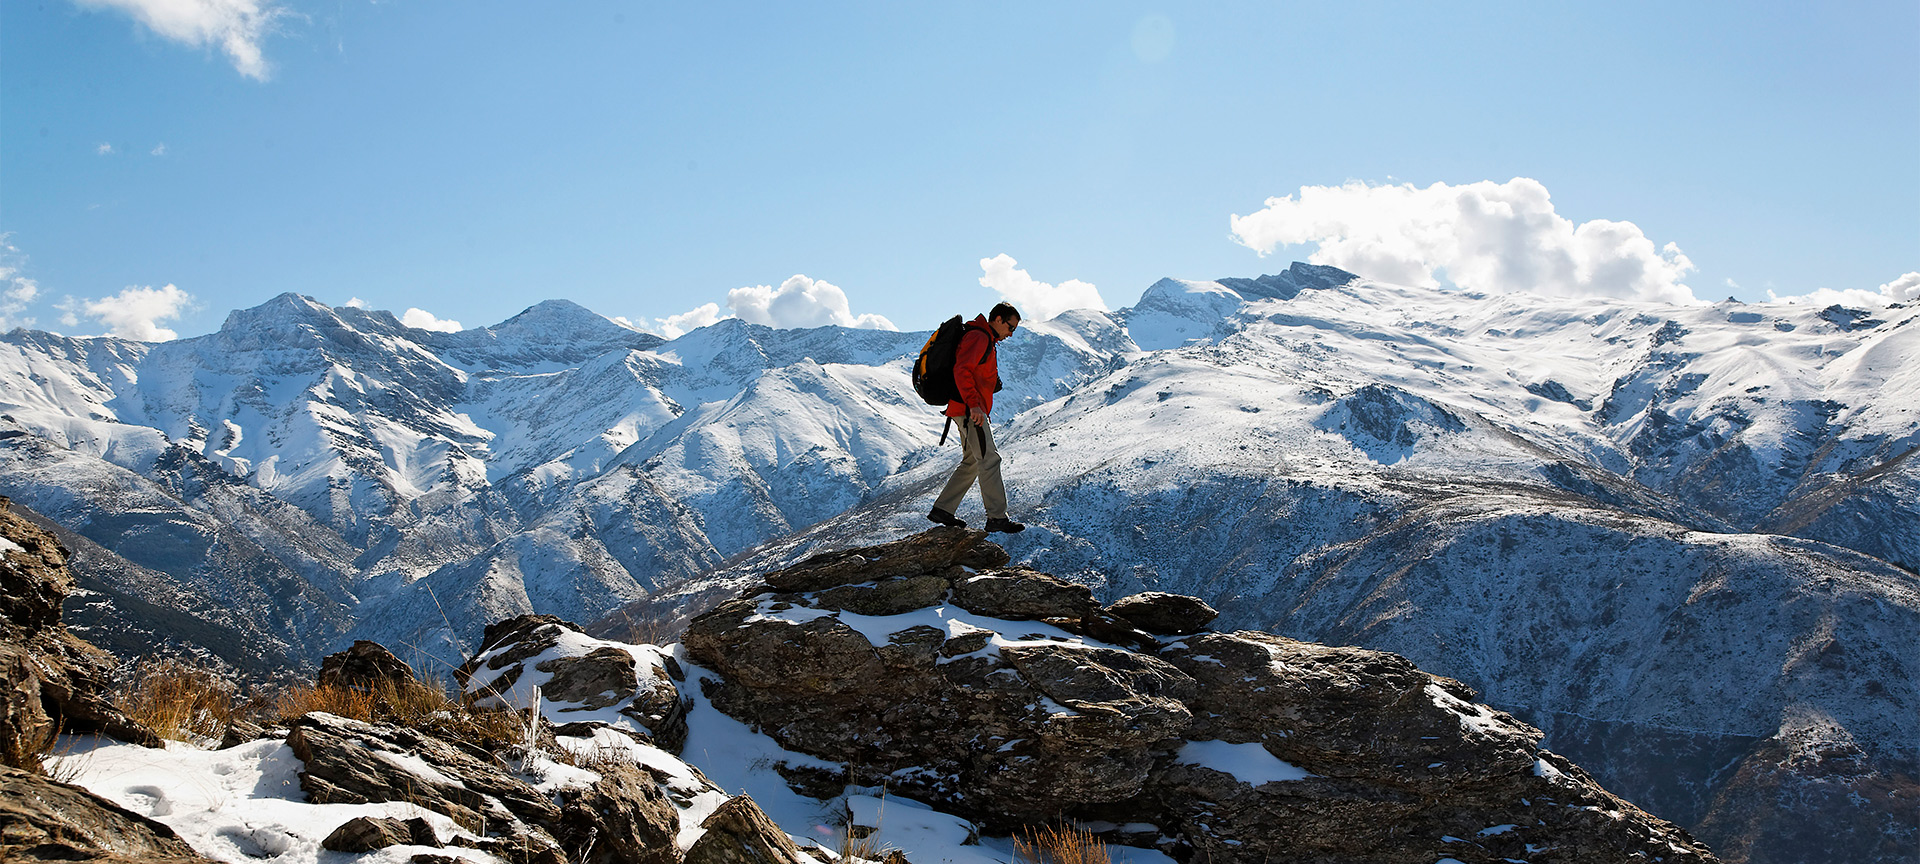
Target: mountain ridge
{"points": [[1261, 449]]}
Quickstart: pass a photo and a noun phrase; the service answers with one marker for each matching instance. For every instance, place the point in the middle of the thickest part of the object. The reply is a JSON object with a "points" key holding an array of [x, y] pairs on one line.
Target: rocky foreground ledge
{"points": [[925, 667], [1011, 696]]}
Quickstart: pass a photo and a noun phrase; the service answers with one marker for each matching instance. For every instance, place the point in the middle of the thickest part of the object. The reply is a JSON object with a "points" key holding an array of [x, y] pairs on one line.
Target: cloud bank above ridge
{"points": [[1905, 289], [800, 302], [1036, 300], [1494, 237]]}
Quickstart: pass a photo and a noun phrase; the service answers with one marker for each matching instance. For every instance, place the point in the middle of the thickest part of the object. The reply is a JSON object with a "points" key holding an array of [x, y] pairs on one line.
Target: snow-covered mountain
{"points": [[1681, 539]]}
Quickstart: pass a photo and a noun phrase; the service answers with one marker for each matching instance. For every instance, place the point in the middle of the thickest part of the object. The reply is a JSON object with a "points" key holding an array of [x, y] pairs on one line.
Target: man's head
{"points": [[1004, 319]]}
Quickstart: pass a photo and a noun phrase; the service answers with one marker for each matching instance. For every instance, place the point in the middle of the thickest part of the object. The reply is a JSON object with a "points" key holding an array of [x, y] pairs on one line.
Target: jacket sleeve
{"points": [[966, 368]]}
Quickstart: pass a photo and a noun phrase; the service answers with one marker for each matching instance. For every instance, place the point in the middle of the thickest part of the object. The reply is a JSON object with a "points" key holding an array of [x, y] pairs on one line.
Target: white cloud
{"points": [[799, 302], [134, 313], [1485, 236], [1036, 300], [237, 26], [1905, 289], [70, 311], [160, 149], [675, 326], [104, 149], [355, 303], [16, 291], [423, 320]]}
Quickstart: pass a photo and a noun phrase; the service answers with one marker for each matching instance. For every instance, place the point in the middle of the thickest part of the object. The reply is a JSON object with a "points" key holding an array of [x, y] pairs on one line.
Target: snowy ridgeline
{"points": [[391, 483]]}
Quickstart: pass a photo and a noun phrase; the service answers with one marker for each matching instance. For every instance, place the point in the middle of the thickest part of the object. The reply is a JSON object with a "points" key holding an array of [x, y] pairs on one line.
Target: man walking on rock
{"points": [[976, 375]]}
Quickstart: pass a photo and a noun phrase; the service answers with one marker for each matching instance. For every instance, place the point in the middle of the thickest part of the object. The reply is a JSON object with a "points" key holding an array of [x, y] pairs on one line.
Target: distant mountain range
{"points": [[1682, 540]]}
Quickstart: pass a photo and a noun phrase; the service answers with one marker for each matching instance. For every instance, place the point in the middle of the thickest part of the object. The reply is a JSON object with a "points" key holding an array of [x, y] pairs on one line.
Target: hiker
{"points": [[976, 376]]}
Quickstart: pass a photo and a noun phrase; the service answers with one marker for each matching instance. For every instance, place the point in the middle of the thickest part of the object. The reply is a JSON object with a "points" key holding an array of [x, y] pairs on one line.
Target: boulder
{"points": [[44, 820], [738, 832], [367, 833], [1165, 614], [362, 666]]}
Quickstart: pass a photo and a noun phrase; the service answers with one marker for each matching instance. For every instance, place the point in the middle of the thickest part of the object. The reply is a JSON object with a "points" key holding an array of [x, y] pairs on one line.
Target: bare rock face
{"points": [[577, 673], [363, 665], [43, 820], [1001, 701], [50, 680]]}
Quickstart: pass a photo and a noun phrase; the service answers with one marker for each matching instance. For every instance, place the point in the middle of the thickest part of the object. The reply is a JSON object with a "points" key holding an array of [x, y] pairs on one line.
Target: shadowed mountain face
{"points": [[1638, 527]]}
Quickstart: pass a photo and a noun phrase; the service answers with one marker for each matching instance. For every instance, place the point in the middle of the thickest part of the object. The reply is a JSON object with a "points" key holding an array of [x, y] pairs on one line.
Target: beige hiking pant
{"points": [[979, 459]]}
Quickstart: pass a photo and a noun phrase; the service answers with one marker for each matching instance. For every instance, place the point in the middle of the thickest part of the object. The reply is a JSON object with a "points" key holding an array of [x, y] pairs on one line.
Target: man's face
{"points": [[1004, 327]]}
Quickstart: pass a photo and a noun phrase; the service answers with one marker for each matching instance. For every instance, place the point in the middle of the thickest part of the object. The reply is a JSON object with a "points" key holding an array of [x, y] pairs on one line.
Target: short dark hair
{"points": [[1003, 312]]}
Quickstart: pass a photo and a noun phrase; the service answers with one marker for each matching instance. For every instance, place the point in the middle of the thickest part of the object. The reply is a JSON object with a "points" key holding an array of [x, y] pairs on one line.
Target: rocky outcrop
{"points": [[1000, 701], [50, 680], [43, 820]]}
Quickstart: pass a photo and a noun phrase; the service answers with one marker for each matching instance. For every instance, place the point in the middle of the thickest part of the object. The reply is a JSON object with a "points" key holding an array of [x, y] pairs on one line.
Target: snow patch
{"points": [[1249, 763]]}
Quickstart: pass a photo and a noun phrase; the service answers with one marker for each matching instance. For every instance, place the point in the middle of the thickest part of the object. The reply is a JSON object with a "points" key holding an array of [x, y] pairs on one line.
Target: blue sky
{"points": [[469, 159]]}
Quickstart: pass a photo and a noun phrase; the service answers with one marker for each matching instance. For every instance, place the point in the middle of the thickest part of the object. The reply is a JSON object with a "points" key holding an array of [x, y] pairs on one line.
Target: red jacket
{"points": [[975, 380]]}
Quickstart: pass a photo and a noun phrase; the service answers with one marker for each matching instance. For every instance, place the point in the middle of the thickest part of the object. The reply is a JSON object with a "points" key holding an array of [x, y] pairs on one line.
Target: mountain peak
{"points": [[548, 331], [287, 309], [1288, 283]]}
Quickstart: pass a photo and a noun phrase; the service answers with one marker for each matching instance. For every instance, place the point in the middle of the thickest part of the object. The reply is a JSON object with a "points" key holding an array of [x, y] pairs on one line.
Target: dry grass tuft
{"points": [[178, 700], [409, 702], [1065, 844], [644, 623]]}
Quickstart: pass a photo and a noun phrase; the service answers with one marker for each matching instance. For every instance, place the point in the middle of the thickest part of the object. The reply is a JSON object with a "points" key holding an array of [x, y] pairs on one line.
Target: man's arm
{"points": [[966, 365]]}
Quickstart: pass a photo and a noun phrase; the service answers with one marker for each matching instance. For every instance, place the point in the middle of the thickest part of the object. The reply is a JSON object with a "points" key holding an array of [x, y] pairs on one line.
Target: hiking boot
{"points": [[945, 518], [1005, 526]]}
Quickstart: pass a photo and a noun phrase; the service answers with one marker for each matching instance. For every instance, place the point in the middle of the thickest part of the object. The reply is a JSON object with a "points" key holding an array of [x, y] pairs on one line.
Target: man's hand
{"points": [[976, 416]]}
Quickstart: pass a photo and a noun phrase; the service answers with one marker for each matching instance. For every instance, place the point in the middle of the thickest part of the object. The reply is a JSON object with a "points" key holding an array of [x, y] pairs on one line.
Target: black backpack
{"points": [[933, 372]]}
